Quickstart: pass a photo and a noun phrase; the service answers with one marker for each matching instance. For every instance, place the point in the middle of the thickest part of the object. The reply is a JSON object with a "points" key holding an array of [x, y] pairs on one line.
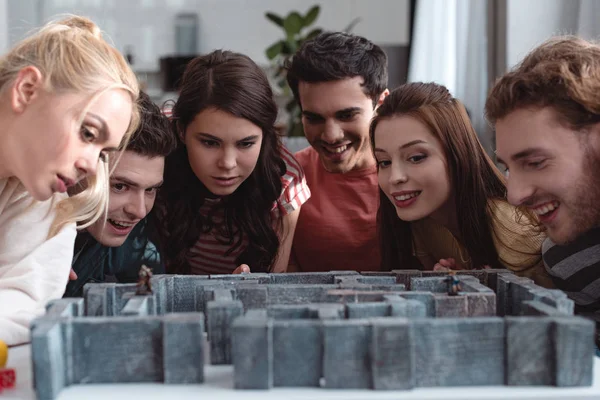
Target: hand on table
{"points": [[445, 265], [72, 275], [242, 269]]}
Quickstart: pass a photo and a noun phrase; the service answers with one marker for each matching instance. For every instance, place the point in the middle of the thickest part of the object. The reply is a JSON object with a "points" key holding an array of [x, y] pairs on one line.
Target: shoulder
{"points": [[294, 189], [509, 222], [307, 156], [518, 240], [12, 191], [292, 163], [19, 207], [586, 247]]}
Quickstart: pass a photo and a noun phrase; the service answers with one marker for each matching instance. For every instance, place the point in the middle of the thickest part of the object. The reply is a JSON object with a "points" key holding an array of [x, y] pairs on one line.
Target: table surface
{"points": [[219, 382]]}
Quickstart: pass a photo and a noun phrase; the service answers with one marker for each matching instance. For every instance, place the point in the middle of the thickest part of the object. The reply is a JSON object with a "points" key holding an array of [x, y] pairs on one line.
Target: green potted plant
{"points": [[295, 26]]}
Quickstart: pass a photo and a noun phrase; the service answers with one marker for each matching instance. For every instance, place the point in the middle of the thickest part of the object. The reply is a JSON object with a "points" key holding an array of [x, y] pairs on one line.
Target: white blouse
{"points": [[33, 268]]}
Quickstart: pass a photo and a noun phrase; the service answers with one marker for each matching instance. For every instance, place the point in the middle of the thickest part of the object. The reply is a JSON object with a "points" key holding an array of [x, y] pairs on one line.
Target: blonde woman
{"points": [[67, 99]]}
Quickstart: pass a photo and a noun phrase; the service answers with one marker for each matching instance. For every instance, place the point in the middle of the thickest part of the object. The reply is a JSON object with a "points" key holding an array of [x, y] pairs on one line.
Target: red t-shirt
{"points": [[336, 228]]}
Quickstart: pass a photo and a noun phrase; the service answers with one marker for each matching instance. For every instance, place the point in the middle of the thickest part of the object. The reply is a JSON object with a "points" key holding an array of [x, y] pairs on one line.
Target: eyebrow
{"points": [[522, 154], [337, 114], [405, 145], [103, 131], [131, 183], [211, 137]]}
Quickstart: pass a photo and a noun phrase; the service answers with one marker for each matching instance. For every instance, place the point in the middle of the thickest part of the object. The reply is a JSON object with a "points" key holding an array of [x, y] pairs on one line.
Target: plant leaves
{"points": [[276, 19], [293, 24], [290, 47], [311, 16], [274, 50], [352, 24]]}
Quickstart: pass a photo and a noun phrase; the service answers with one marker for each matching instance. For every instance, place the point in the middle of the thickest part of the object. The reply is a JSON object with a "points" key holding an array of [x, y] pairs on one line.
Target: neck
{"points": [[446, 216], [367, 161]]}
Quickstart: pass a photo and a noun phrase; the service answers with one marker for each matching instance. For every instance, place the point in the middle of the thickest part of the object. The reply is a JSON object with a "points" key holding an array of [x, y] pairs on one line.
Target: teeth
{"points": [[407, 196], [337, 150], [121, 224], [546, 208]]}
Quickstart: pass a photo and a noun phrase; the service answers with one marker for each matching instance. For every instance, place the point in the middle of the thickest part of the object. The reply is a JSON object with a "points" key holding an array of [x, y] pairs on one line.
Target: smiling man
{"points": [[114, 249], [547, 118], [338, 79]]}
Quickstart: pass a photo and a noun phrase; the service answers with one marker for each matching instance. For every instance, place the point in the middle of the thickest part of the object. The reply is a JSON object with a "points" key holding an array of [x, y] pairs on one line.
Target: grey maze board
{"points": [[394, 330]]}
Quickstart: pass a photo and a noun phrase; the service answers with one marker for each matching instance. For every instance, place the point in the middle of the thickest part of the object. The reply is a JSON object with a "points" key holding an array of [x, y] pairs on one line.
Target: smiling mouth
{"points": [[336, 150], [121, 224], [407, 196], [545, 208]]}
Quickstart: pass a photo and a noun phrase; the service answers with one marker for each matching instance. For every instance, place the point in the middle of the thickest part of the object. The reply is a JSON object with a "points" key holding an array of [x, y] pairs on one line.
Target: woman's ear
{"points": [[26, 88]]}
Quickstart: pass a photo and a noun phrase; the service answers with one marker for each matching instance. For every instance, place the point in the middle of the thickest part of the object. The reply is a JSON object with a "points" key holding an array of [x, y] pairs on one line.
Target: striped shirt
{"points": [[575, 269], [208, 255]]}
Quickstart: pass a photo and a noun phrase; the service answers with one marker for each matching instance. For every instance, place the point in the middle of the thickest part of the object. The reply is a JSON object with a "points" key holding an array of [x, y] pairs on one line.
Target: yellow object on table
{"points": [[3, 354]]}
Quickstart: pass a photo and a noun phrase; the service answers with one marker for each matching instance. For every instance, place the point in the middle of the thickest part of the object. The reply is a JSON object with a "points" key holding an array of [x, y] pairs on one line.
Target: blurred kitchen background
{"points": [[463, 44]]}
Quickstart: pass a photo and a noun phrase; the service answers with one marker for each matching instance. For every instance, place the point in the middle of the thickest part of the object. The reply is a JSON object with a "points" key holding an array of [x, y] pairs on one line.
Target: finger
{"points": [[445, 263], [72, 275], [440, 268], [487, 267], [242, 269]]}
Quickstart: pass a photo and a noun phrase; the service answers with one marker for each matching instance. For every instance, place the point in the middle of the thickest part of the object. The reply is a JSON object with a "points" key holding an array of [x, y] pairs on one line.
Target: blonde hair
{"points": [[72, 56]]}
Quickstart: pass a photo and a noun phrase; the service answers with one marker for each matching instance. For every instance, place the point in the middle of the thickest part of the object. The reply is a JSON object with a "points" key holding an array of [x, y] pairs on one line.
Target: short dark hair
{"points": [[333, 56], [154, 137]]}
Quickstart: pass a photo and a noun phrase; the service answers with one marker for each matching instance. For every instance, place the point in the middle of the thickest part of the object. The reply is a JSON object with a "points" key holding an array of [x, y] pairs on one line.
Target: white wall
{"points": [[384, 22], [3, 26], [531, 22], [237, 25]]}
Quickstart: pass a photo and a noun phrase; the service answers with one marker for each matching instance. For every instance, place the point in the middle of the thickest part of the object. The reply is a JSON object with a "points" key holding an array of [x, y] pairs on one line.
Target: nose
{"points": [[87, 164], [518, 189], [332, 132], [136, 207], [227, 159], [397, 174]]}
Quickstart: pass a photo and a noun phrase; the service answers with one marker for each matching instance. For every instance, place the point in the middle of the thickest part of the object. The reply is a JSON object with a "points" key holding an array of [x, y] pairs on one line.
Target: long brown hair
{"points": [[230, 82], [473, 176]]}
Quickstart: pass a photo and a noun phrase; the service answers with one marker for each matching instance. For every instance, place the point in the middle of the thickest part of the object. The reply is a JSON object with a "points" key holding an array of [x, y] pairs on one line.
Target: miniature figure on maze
{"points": [[144, 285], [453, 283]]}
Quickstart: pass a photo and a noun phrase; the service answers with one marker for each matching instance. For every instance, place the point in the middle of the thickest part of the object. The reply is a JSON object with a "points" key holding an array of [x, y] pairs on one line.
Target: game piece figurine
{"points": [[453, 283], [144, 286]]}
